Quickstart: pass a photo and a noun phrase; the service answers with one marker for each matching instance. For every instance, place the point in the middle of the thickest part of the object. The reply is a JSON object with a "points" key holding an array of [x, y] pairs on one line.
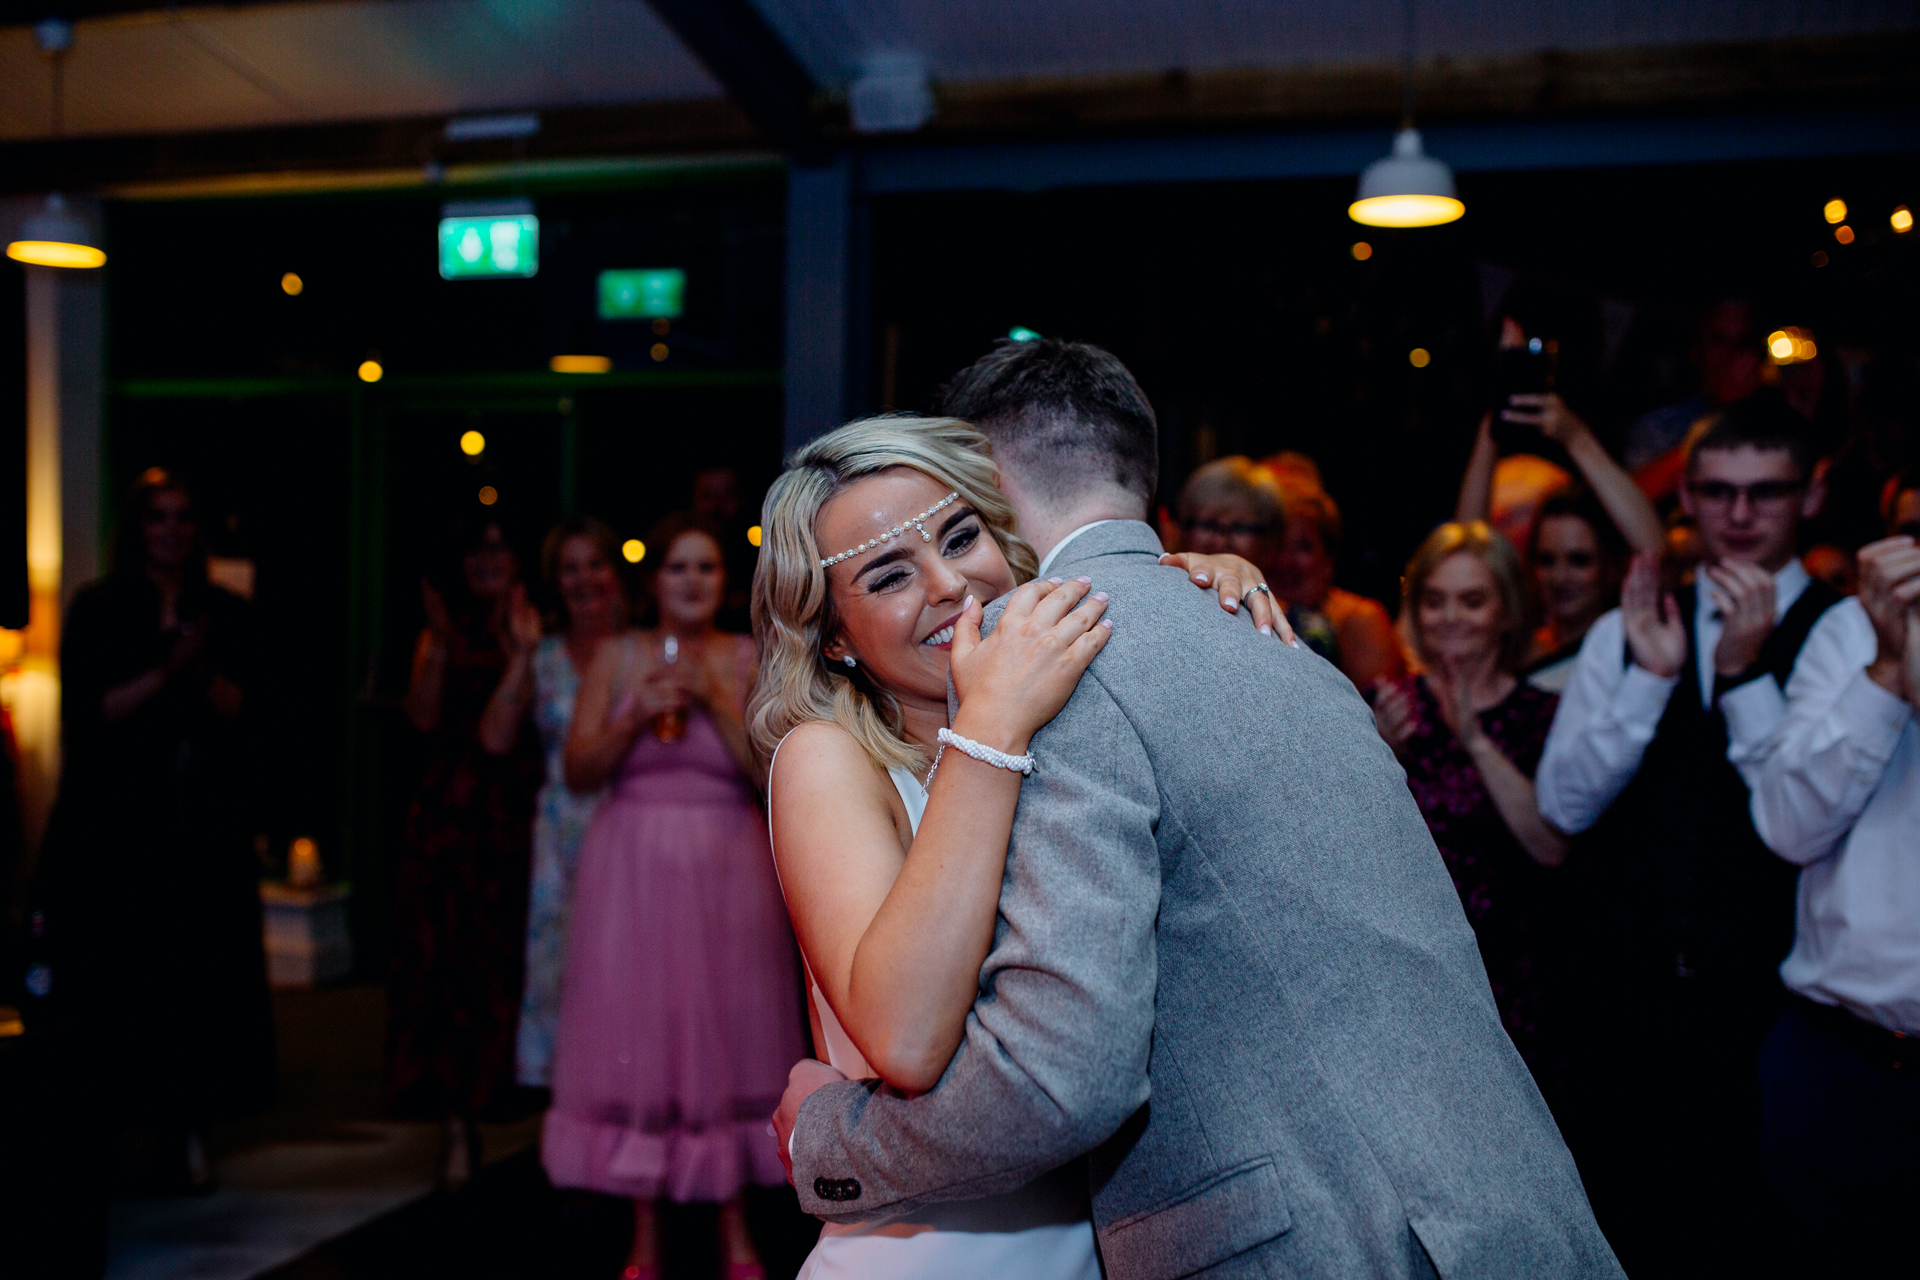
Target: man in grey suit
{"points": [[1229, 965]]}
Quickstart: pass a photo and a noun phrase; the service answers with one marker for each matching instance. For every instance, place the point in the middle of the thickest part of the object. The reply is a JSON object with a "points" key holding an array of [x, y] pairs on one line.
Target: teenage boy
{"points": [[1837, 793], [1681, 915]]}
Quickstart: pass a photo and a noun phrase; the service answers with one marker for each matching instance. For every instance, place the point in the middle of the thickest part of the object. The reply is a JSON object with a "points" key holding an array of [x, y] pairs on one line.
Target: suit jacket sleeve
{"points": [[1054, 1058]]}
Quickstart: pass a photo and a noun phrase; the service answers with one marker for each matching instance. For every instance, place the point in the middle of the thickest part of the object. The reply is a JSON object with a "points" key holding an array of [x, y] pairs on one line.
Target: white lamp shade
{"points": [[1406, 189], [55, 238]]}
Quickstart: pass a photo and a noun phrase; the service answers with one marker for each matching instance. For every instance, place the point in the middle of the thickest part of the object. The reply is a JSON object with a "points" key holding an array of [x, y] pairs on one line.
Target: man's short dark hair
{"points": [[1765, 422], [1065, 412]]}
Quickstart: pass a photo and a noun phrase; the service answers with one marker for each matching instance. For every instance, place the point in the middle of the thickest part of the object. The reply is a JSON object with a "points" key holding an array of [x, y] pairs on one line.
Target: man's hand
{"points": [[1656, 633], [1743, 593], [1889, 588], [807, 1075]]}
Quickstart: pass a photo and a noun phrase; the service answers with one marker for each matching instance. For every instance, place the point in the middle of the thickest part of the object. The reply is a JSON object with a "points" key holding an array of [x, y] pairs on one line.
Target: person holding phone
{"points": [[1580, 537]]}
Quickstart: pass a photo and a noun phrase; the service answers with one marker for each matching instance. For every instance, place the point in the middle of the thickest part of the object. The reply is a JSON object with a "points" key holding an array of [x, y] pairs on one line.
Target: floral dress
{"points": [[560, 820], [460, 905], [1510, 899]]}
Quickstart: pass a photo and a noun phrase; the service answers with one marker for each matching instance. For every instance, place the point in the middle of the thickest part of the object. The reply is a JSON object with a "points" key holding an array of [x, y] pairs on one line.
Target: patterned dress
{"points": [[560, 820], [1510, 899], [460, 905]]}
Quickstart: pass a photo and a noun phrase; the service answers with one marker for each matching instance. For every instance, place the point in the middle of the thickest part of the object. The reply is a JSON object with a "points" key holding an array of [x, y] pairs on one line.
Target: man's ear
{"points": [[1816, 495]]}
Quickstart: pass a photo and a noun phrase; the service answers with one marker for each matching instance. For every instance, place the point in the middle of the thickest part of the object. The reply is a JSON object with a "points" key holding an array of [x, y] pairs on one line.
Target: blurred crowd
{"points": [[1653, 688]]}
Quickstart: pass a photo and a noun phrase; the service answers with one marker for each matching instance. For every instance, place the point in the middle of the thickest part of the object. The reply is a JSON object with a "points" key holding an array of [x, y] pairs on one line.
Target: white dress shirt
{"points": [[1611, 708], [1046, 561], [1836, 789]]}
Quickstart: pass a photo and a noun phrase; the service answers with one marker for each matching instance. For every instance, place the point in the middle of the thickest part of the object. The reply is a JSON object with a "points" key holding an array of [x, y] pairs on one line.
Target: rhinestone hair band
{"points": [[917, 523]]}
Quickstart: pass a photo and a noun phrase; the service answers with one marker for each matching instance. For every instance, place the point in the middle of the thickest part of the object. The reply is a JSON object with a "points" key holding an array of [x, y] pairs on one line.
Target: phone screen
{"points": [[1522, 370]]}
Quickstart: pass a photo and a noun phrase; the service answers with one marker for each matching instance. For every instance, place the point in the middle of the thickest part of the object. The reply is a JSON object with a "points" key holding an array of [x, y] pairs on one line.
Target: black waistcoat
{"points": [[1673, 882]]}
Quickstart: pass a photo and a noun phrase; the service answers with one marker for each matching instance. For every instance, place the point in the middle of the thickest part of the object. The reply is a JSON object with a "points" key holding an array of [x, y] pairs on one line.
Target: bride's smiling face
{"points": [[897, 603]]}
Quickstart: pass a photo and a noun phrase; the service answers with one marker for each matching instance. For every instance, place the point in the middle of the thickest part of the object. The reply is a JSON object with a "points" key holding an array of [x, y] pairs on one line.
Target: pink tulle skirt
{"points": [[680, 1009]]}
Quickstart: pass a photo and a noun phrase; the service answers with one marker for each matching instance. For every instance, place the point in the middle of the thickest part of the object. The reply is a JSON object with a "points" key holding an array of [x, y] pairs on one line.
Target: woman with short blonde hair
{"points": [[880, 545], [1519, 608], [1470, 734]]}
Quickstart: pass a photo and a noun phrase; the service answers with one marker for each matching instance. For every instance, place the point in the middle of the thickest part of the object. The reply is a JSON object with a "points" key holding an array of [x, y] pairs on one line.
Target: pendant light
{"points": [[1407, 188], [54, 237]]}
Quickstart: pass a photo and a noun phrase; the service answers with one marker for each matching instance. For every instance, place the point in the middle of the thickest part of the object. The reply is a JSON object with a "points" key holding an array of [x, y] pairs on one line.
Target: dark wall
{"points": [[197, 284]]}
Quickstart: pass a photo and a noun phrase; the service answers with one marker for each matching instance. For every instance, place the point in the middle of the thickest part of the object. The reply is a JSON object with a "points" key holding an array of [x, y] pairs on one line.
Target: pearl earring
{"points": [[850, 661]]}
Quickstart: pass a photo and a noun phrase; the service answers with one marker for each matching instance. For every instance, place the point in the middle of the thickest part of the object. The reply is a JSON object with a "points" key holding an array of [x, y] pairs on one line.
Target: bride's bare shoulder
{"points": [[820, 756]]}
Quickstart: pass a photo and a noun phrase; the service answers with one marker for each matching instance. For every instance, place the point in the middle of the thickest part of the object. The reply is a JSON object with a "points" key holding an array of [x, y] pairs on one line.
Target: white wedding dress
{"points": [[1042, 1231]]}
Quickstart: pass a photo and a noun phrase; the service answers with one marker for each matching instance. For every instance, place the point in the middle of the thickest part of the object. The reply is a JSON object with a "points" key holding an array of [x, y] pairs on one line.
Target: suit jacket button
{"points": [[837, 1188]]}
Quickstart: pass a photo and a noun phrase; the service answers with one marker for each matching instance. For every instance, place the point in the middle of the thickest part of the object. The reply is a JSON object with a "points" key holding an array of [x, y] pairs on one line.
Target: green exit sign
{"points": [[653, 294], [477, 242]]}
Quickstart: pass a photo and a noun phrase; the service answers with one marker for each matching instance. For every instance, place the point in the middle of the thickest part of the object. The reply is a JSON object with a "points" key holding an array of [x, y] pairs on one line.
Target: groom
{"points": [[1229, 965]]}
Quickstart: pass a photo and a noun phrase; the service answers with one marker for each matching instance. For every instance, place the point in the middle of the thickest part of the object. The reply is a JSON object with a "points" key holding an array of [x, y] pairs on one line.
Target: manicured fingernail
{"points": [[1265, 630], [1295, 643], [1054, 581], [1199, 577], [1088, 581], [968, 605], [1099, 595], [1106, 622], [1232, 604]]}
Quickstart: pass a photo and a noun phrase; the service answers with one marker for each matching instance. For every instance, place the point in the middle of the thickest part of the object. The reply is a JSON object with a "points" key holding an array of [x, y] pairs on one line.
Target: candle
{"points": [[303, 864]]}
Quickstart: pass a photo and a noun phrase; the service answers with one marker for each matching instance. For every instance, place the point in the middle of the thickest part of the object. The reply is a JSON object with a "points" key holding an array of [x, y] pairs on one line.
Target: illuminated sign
{"points": [[656, 294], [481, 241]]}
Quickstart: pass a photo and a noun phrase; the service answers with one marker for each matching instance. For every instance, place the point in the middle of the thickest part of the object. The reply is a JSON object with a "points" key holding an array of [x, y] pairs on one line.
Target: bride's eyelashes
{"points": [[955, 543], [960, 540]]}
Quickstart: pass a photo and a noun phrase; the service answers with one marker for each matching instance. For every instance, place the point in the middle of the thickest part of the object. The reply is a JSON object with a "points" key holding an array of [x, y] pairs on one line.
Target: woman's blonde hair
{"points": [[793, 614], [1510, 578]]}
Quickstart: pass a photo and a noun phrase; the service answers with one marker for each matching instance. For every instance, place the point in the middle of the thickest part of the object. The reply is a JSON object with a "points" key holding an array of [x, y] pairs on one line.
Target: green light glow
{"points": [[1020, 333], [653, 294], [477, 248]]}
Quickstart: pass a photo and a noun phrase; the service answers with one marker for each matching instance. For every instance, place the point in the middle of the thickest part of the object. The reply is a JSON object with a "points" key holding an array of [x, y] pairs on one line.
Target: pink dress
{"points": [[680, 1008]]}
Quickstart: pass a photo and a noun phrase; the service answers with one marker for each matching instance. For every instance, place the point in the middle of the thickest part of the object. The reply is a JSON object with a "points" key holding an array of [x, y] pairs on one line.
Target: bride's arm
{"points": [[895, 930]]}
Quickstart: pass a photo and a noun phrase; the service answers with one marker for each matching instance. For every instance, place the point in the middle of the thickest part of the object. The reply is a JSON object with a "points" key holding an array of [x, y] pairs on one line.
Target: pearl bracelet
{"points": [[985, 754]]}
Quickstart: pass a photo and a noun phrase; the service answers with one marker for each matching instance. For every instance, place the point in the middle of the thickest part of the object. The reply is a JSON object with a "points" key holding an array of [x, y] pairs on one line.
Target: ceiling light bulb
{"points": [[55, 238], [1406, 189]]}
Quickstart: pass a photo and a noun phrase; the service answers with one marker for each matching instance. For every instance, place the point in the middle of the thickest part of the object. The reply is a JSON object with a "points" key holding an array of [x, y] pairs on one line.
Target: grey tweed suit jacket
{"points": [[1231, 969]]}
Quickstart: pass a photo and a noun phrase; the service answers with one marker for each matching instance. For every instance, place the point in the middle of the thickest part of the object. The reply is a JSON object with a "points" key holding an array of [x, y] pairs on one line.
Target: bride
{"points": [[882, 542]]}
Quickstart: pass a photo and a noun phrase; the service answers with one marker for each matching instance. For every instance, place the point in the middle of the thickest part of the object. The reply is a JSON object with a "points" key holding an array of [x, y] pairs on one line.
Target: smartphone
{"points": [[1528, 369]]}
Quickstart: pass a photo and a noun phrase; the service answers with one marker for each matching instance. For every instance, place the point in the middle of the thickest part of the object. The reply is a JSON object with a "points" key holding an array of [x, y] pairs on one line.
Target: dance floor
{"points": [[325, 1188]]}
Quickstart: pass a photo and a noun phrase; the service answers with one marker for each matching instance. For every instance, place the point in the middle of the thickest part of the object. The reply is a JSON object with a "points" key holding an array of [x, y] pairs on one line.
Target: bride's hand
{"points": [[1235, 578], [1018, 678]]}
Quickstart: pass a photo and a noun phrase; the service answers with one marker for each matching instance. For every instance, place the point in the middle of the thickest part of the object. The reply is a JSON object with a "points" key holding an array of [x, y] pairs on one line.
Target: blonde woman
{"points": [[883, 541], [1470, 733]]}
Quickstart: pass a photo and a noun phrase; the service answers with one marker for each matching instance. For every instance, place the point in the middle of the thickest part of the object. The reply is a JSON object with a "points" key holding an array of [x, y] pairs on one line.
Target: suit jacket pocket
{"points": [[1228, 1214]]}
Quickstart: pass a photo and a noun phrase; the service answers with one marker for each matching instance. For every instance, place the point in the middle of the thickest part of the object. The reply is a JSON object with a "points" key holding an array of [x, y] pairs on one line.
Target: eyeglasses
{"points": [[1763, 494], [1239, 530]]}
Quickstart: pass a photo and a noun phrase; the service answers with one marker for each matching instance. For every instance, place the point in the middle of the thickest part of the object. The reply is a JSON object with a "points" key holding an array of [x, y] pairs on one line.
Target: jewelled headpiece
{"points": [[917, 523]]}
